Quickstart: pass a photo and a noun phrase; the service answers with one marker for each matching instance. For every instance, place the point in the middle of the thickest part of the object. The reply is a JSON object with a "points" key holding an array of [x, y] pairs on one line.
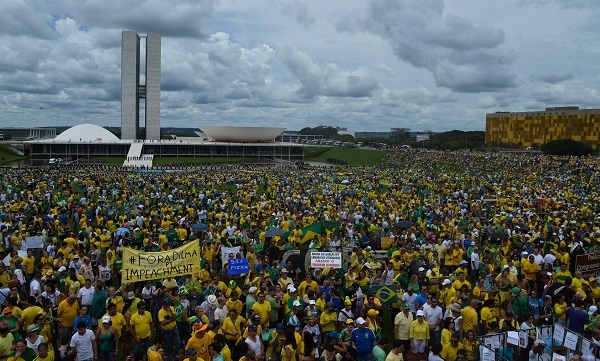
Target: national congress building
{"points": [[540, 127]]}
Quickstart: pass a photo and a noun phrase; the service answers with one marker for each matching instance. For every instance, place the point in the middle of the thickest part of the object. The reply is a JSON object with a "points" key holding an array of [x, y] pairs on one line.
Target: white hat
{"points": [[311, 302], [62, 269], [368, 265], [592, 310], [421, 269], [420, 313], [360, 321], [212, 299], [446, 282], [106, 319], [524, 253], [368, 248], [296, 303], [252, 289], [463, 262], [292, 289]]}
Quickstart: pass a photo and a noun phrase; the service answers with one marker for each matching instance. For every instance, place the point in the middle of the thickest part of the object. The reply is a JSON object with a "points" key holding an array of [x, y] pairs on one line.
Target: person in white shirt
{"points": [[434, 317], [84, 342], [475, 263], [86, 294], [410, 297], [35, 286]]}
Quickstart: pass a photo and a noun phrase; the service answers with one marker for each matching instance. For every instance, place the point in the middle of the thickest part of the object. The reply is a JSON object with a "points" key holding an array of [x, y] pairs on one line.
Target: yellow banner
{"points": [[143, 266]]}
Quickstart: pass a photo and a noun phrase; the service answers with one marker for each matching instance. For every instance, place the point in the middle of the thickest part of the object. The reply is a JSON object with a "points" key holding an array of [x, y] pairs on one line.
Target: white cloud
{"points": [[428, 64]]}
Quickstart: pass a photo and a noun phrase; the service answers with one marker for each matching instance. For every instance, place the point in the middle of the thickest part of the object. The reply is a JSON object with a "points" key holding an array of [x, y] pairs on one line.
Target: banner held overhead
{"points": [[143, 266], [326, 259]]}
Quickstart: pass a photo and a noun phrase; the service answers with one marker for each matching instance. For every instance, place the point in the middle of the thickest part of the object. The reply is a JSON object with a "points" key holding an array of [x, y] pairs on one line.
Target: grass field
{"points": [[7, 155], [353, 156]]}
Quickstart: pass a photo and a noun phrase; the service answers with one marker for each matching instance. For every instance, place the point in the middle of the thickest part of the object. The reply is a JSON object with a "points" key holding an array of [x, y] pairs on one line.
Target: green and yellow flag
{"points": [[386, 294]]}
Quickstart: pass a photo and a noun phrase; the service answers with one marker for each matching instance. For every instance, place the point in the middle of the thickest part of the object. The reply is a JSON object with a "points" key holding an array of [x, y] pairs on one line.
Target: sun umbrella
{"points": [[196, 227], [274, 232], [404, 224], [121, 231]]}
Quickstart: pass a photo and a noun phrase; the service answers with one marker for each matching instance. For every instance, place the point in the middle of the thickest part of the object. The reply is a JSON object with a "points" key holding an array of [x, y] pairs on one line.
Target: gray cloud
{"points": [[461, 55], [328, 80], [556, 78]]}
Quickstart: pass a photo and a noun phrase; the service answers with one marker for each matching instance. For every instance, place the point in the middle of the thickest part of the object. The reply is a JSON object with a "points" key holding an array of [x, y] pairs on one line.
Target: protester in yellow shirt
{"points": [[419, 334]]}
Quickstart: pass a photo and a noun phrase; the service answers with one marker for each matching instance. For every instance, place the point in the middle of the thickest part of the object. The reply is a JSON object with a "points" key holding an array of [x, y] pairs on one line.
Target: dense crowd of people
{"points": [[473, 243]]}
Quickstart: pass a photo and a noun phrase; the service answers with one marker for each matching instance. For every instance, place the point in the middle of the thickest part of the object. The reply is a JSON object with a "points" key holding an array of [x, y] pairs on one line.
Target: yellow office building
{"points": [[535, 128]]}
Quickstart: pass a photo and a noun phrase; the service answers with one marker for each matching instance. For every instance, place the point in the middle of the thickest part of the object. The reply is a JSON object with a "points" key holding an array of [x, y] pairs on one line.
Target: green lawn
{"points": [[354, 156], [7, 155]]}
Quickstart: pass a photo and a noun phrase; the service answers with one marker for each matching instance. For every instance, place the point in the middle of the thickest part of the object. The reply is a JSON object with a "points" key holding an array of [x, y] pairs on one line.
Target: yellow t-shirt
{"points": [[469, 319], [264, 311], [118, 322], [328, 321], [29, 314], [166, 315], [68, 313], [530, 270], [153, 355], [141, 324], [419, 331]]}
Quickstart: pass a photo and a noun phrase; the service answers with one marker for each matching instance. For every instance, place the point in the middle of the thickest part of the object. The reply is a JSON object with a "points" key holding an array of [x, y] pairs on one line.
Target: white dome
{"points": [[86, 133], [242, 134]]}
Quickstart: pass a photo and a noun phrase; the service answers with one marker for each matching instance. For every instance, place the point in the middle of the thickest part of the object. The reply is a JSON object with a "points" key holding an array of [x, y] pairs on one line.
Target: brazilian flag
{"points": [[386, 294], [309, 232], [317, 229]]}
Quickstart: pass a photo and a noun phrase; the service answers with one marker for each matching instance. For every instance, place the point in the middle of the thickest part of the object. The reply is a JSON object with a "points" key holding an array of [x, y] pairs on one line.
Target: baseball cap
{"points": [[446, 282], [106, 319], [421, 269], [296, 303], [373, 312], [360, 321], [62, 269], [405, 306], [420, 313], [334, 334], [592, 310], [167, 302]]}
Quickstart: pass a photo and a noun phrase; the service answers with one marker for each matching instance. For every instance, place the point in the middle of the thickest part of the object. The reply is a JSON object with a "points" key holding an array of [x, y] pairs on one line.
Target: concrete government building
{"points": [[539, 127], [131, 89]]}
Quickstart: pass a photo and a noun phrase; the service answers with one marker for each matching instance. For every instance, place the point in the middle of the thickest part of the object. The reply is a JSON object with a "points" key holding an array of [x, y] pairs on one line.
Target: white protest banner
{"points": [[230, 253], [523, 339], [31, 243], [6, 259], [143, 266], [326, 259], [559, 333], [487, 355], [571, 341]]}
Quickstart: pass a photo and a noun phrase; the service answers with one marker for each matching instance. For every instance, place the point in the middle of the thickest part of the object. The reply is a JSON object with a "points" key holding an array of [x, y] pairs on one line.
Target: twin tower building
{"points": [[133, 89]]}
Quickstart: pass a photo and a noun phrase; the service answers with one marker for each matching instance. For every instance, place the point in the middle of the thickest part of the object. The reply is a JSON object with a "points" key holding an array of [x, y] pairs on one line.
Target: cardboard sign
{"points": [[31, 243], [238, 266], [326, 259], [588, 264]]}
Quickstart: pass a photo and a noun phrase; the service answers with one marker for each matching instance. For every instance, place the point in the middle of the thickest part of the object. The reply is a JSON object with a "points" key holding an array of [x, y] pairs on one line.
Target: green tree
{"points": [[567, 147]]}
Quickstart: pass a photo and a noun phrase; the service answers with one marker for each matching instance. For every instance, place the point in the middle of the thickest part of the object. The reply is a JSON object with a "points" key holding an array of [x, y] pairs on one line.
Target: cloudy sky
{"points": [[365, 65]]}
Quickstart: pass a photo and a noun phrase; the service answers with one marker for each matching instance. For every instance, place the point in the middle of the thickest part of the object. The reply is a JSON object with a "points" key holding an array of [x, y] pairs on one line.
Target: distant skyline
{"points": [[364, 65]]}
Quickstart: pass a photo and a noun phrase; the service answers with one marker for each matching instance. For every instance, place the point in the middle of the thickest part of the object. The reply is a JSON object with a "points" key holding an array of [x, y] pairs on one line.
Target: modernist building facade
{"points": [[131, 89], [540, 127]]}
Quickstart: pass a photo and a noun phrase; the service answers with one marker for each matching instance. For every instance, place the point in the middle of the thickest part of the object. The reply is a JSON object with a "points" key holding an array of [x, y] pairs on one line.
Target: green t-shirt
{"points": [[61, 279]]}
